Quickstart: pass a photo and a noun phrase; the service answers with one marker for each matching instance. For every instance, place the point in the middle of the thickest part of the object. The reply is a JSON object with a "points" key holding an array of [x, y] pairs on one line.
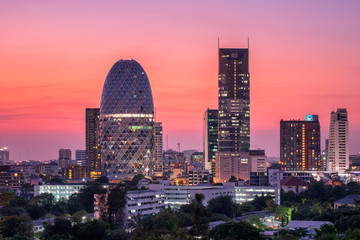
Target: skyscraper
{"points": [[234, 100], [4, 155], [158, 149], [210, 139], [300, 144], [338, 152], [93, 153], [126, 121], [324, 154], [64, 158], [234, 113], [80, 157]]}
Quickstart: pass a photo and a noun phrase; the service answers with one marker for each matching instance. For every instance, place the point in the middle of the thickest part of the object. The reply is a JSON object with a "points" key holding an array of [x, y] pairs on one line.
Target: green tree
{"points": [[284, 214], [117, 234], [61, 229], [260, 202], [231, 230], [352, 234], [201, 216], [85, 197], [232, 179], [116, 202], [78, 216], [160, 226], [44, 200], [222, 205], [20, 225], [353, 188], [91, 230], [6, 197], [326, 232]]}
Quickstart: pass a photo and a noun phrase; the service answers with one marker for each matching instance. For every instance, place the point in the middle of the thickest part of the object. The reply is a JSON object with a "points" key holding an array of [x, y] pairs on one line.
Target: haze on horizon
{"points": [[304, 59]]}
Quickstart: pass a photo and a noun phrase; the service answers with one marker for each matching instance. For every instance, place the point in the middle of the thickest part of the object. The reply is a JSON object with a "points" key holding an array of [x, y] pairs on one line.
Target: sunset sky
{"points": [[55, 55]]}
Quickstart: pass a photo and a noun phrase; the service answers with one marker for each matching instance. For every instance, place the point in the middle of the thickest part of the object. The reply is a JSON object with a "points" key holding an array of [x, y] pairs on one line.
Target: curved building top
{"points": [[127, 90]]}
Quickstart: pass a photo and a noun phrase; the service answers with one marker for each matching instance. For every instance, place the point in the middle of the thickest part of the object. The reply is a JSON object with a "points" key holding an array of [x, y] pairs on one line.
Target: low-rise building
{"points": [[139, 203], [349, 201], [48, 168], [60, 191], [143, 203], [11, 180], [175, 196], [198, 176], [293, 184], [248, 193], [259, 179]]}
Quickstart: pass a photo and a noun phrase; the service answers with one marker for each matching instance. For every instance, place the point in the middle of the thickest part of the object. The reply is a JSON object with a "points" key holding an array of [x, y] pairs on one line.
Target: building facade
{"points": [[4, 156], [80, 157], [234, 100], [64, 158], [158, 153], [126, 122], [300, 144], [198, 176], [338, 152], [93, 151], [210, 139]]}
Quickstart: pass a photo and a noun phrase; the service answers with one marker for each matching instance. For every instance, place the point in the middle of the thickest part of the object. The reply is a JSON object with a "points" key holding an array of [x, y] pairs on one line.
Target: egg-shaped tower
{"points": [[126, 122]]}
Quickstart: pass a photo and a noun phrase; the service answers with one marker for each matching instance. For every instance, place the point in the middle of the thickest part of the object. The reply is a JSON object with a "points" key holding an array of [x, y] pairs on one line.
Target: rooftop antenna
{"points": [[178, 144]]}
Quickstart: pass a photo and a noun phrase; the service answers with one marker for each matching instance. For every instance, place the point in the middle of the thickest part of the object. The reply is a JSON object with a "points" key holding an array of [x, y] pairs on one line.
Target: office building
{"points": [[257, 161], [80, 157], [11, 180], [300, 144], [61, 191], [324, 154], [139, 203], [64, 158], [210, 139], [93, 152], [158, 153], [198, 176], [4, 156], [197, 157], [234, 100], [248, 193], [126, 122], [75, 172], [232, 164], [338, 152], [234, 115]]}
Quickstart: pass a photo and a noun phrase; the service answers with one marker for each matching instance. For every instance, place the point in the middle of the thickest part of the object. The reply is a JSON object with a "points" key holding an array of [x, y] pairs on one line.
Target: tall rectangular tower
{"points": [[64, 158], [234, 100], [300, 144], [338, 151], [93, 157], [210, 139], [158, 149]]}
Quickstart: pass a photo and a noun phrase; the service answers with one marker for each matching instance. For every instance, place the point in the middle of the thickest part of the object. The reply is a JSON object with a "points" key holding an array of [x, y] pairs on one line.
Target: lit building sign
{"points": [[309, 118]]}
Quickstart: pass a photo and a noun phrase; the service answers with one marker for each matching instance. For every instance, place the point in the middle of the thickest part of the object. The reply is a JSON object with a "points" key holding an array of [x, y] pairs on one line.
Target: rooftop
{"points": [[292, 181], [349, 199], [305, 224]]}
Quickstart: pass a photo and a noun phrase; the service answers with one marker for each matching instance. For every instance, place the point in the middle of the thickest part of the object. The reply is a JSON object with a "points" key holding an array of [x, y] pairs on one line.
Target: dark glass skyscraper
{"points": [[126, 121], [93, 158], [211, 139], [300, 144], [234, 100]]}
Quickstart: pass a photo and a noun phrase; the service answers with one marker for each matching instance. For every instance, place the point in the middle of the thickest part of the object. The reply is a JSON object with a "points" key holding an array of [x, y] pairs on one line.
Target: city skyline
{"points": [[56, 57]]}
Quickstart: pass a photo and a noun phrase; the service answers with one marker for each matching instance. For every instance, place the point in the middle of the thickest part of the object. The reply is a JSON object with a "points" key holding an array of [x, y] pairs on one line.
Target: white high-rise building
{"points": [[338, 151]]}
